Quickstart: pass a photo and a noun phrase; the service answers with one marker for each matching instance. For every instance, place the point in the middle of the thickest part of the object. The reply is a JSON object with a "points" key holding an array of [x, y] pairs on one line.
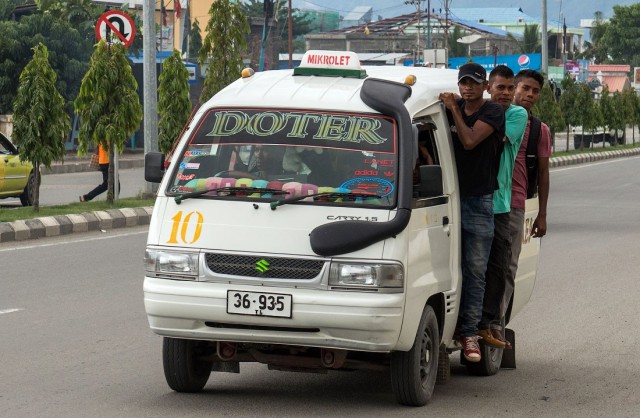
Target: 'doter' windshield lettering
{"points": [[301, 120], [301, 128]]}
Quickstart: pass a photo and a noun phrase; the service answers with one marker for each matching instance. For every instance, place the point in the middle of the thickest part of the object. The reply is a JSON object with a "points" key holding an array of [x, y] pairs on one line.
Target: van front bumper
{"points": [[363, 321]]}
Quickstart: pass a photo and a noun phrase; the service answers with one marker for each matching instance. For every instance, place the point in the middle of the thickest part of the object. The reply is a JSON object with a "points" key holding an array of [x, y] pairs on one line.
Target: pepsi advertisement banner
{"points": [[516, 62]]}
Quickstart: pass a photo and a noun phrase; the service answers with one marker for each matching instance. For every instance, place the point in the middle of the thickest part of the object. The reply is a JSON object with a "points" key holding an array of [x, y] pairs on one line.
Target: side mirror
{"points": [[153, 167], [430, 181]]}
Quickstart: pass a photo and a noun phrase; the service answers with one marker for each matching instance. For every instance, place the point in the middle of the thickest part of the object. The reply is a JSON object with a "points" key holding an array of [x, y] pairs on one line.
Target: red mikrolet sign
{"points": [[116, 26]]}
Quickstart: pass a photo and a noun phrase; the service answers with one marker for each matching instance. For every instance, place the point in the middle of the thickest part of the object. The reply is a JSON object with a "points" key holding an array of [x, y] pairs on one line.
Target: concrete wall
{"points": [[6, 125]]}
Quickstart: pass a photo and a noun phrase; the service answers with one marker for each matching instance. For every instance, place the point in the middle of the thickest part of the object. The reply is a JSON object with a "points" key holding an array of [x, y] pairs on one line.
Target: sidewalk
{"points": [[121, 218], [74, 164]]}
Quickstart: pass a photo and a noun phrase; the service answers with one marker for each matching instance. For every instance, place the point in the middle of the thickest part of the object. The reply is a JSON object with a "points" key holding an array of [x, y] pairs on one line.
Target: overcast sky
{"points": [[573, 10]]}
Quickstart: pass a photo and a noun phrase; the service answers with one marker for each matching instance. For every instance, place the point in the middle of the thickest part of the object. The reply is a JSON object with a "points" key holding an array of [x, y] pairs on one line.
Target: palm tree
{"points": [[596, 49], [530, 41]]}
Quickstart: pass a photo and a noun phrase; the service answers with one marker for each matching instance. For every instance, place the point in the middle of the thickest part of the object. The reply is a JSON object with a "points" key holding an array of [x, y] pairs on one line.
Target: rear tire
{"points": [[184, 368], [490, 359], [27, 198], [413, 372]]}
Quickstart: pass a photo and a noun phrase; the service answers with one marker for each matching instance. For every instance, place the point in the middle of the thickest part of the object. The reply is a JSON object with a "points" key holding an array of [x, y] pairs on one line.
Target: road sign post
{"points": [[116, 26]]}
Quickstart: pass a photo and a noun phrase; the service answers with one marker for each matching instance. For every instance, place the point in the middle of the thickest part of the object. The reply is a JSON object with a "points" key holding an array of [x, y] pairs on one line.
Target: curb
{"points": [[591, 157], [52, 226]]}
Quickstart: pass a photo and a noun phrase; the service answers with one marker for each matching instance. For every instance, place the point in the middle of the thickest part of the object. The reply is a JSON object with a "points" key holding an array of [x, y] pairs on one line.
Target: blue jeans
{"points": [[476, 215]]}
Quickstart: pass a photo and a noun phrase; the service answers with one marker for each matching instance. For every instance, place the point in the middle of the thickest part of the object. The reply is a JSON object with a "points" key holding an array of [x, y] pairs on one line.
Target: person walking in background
{"points": [[477, 129], [103, 160], [502, 89]]}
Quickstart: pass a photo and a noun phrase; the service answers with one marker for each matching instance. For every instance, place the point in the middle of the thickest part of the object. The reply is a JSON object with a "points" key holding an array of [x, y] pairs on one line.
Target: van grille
{"points": [[264, 267]]}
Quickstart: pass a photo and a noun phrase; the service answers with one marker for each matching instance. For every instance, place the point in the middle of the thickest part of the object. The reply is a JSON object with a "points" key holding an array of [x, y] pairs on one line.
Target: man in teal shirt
{"points": [[502, 89]]}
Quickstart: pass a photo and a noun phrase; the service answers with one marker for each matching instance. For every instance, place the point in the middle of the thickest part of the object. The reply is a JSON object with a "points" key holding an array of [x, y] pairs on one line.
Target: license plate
{"points": [[259, 304]]}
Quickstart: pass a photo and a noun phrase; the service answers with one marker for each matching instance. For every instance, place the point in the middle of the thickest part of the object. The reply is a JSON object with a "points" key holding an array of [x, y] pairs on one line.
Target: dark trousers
{"points": [[102, 187], [497, 272]]}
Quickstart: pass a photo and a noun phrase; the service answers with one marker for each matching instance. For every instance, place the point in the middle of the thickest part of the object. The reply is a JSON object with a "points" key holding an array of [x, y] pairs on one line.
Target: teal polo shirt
{"points": [[515, 124]]}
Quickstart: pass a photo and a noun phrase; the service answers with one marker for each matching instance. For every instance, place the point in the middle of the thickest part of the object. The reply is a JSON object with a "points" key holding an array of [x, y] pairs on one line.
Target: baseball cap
{"points": [[474, 71]]}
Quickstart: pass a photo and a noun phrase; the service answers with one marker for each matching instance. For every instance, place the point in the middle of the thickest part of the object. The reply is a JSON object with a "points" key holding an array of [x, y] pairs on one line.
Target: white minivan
{"points": [[295, 228]]}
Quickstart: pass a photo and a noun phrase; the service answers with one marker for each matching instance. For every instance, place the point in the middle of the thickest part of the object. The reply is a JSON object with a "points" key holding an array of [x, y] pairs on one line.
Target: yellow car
{"points": [[17, 178]]}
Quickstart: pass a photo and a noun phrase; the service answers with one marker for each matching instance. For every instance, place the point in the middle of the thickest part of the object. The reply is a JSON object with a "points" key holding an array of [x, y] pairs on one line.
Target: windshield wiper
{"points": [[231, 190], [329, 195]]}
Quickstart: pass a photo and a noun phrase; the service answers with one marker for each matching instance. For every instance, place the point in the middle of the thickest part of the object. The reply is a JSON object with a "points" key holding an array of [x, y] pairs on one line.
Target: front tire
{"points": [[27, 198], [413, 372], [184, 367]]}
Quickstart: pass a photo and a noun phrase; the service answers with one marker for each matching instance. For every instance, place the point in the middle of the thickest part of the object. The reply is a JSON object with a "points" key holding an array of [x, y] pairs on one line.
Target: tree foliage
{"points": [[195, 41], [605, 103], [301, 21], [622, 36], [457, 49], [596, 49], [632, 109], [108, 103], [7, 7], [68, 55], [223, 46], [81, 14], [567, 103], [40, 123], [588, 114], [548, 111], [173, 101], [530, 41]]}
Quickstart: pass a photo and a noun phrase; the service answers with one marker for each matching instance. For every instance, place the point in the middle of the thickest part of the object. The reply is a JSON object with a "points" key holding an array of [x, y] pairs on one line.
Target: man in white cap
{"points": [[477, 129]]}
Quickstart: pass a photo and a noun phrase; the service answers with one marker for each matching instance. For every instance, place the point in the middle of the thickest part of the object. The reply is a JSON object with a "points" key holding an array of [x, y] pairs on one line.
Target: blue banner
{"points": [[516, 62]]}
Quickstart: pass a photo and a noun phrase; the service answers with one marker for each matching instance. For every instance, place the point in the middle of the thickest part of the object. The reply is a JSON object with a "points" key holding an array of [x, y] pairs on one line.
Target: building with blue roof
{"points": [[513, 20]]}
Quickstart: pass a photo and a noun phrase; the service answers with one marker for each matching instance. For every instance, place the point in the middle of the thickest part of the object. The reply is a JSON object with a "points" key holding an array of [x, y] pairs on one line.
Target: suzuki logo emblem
{"points": [[262, 266]]}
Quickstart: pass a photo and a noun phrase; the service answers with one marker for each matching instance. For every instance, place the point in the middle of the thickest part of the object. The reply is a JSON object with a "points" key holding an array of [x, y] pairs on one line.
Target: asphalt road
{"points": [[75, 341]]}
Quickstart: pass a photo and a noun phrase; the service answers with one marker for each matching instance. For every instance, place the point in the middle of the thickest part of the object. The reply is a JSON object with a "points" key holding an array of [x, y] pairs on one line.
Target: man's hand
{"points": [[448, 99], [539, 228]]}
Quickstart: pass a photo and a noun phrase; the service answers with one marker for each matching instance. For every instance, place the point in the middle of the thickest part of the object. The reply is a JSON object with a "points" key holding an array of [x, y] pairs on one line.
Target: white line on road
{"points": [[28, 247], [4, 311]]}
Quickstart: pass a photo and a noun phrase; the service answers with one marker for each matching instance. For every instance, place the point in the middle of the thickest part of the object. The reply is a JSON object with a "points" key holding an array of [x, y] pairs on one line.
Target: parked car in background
{"points": [[585, 139], [17, 178]]}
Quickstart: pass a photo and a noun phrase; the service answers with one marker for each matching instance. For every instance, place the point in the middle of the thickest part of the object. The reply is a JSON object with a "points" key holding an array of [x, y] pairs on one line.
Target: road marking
{"points": [[30, 247], [4, 311]]}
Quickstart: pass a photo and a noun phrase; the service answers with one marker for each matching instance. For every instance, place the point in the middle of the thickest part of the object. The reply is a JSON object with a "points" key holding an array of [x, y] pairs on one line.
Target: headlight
{"points": [[366, 275], [171, 264]]}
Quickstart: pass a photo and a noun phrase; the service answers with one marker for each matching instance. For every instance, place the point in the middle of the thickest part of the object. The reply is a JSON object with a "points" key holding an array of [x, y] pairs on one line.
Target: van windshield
{"points": [[298, 152]]}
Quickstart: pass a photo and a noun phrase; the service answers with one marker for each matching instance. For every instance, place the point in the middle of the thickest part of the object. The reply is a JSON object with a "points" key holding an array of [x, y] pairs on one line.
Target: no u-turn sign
{"points": [[116, 26]]}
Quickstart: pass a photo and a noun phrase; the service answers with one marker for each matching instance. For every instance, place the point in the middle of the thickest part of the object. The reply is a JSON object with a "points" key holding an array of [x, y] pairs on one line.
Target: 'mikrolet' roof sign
{"points": [[330, 64]]}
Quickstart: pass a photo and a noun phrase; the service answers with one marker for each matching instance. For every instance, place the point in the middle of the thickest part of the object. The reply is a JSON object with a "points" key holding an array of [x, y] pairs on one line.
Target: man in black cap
{"points": [[477, 129]]}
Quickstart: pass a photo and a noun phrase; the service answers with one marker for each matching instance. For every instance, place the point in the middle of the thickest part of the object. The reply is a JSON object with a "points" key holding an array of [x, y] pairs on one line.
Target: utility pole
{"points": [[446, 24], [428, 24], [290, 24], [267, 10], [150, 85], [545, 41], [564, 46], [417, 3]]}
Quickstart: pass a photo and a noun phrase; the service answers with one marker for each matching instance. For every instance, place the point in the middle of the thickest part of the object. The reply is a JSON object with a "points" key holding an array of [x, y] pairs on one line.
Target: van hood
{"points": [[252, 227]]}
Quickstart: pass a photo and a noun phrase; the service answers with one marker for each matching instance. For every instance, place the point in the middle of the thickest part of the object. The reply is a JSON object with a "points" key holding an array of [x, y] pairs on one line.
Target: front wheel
{"points": [[185, 368], [27, 198], [413, 372]]}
